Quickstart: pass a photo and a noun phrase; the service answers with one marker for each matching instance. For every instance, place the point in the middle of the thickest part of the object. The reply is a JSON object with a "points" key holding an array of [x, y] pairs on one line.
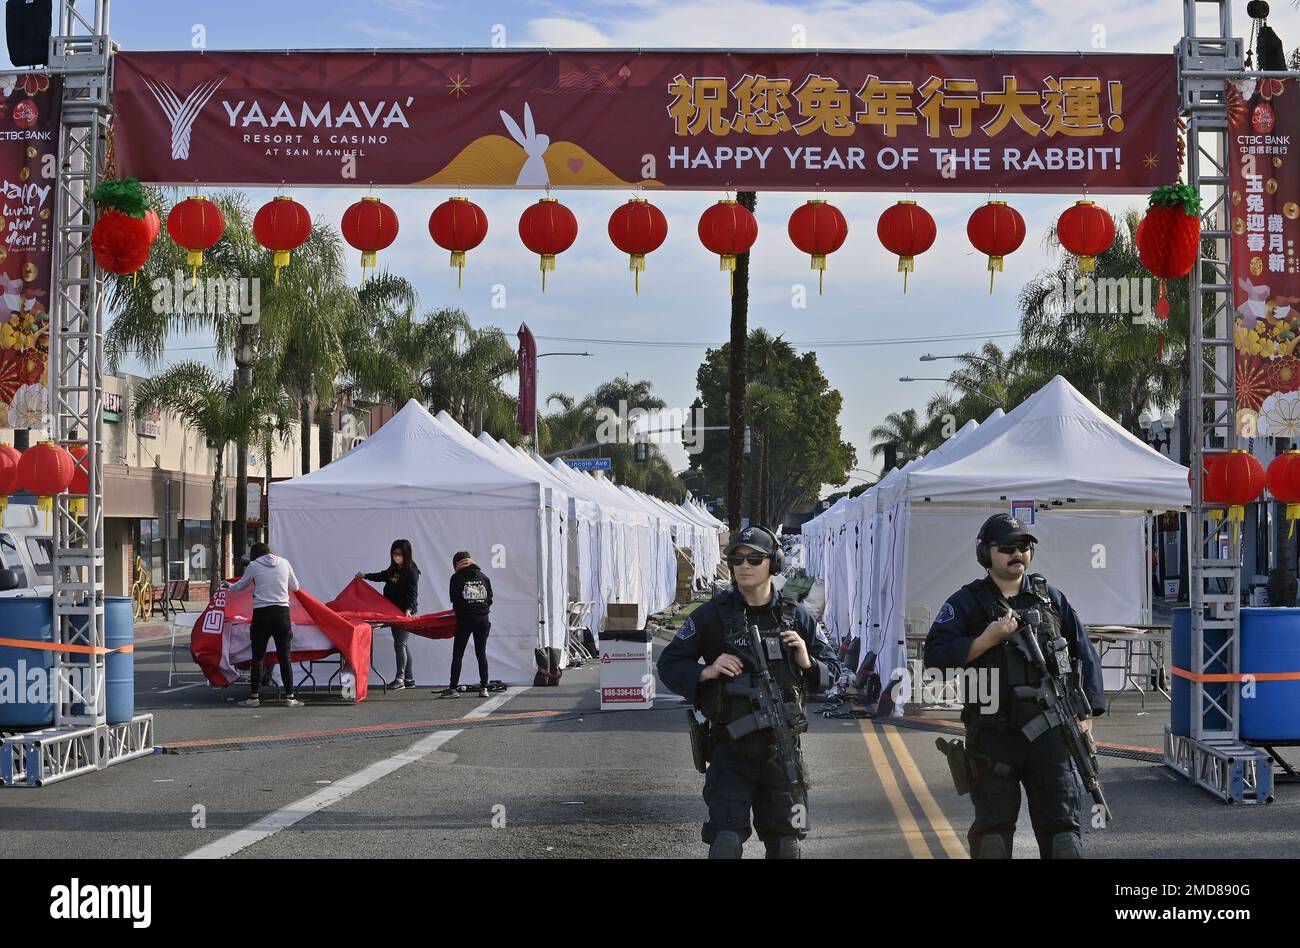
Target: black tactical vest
{"points": [[727, 700], [1011, 656]]}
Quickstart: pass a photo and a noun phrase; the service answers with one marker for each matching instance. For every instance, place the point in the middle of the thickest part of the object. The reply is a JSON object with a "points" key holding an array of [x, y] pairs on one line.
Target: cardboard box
{"points": [[623, 616]]}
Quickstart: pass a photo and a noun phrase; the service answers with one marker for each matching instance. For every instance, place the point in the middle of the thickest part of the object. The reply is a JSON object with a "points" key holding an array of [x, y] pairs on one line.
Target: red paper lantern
{"points": [[996, 229], [906, 230], [728, 229], [1238, 478], [548, 228], [45, 469], [281, 225], [818, 229], [9, 458], [155, 225], [637, 228], [1169, 237], [80, 483], [120, 242], [1087, 231], [369, 225], [1283, 481], [196, 224], [458, 225]]}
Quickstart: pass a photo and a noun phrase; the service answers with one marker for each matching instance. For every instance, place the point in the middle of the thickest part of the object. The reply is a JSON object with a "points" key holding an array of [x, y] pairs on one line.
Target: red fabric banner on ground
{"points": [[712, 120]]}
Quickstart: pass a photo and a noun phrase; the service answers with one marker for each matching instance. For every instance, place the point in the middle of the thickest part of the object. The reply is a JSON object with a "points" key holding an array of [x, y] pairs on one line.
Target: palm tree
{"points": [[738, 380], [221, 412], [901, 435], [770, 409]]}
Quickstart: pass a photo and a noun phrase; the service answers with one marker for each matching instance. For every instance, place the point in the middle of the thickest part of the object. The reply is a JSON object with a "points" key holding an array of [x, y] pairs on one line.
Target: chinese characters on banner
{"points": [[1264, 180], [675, 119], [29, 144]]}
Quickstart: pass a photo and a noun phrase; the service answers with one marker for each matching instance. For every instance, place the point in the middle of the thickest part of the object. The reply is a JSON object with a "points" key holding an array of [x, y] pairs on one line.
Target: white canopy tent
{"points": [[429, 481], [891, 556]]}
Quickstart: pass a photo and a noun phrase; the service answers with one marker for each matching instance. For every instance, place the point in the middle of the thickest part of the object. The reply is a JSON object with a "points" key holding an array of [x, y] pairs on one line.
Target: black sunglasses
{"points": [[1024, 546], [754, 559]]}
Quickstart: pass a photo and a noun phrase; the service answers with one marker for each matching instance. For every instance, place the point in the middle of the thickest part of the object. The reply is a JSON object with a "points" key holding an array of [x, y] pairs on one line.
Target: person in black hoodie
{"points": [[471, 598], [402, 588]]}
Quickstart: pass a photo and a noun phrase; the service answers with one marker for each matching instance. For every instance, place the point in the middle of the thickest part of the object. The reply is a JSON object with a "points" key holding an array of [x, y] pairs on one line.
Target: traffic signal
{"points": [[640, 452], [748, 441]]}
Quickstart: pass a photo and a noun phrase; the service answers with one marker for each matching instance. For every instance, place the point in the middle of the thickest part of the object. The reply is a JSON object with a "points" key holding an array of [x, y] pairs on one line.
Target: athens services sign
{"points": [[673, 119]]}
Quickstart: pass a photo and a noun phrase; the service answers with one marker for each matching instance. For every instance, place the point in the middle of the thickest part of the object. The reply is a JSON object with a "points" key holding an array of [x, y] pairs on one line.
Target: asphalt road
{"points": [[571, 783]]}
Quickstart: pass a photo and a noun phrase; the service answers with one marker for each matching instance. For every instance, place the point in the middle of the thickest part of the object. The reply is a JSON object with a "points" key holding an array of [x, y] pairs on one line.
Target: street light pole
{"points": [[973, 391], [537, 411]]}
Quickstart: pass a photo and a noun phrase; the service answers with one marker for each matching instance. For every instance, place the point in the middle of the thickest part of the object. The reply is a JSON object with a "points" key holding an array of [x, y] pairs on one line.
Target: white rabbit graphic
{"points": [[533, 174]]}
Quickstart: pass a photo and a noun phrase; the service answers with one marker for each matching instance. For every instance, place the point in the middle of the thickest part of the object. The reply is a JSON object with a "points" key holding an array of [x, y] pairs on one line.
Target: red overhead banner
{"points": [[714, 120]]}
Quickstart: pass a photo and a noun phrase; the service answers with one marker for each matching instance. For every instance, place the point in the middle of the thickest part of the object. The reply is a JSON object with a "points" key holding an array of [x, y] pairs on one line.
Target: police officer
{"points": [[975, 629], [744, 771]]}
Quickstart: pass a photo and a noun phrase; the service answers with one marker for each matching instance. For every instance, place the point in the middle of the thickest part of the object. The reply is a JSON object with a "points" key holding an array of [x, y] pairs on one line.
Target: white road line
{"points": [[272, 823], [167, 691]]}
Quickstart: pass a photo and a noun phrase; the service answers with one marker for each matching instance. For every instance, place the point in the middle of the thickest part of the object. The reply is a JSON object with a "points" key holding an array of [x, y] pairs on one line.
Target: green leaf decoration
{"points": [[122, 195], [1175, 195]]}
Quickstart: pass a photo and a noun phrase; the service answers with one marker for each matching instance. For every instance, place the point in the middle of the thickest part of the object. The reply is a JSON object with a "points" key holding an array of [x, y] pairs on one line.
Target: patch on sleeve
{"points": [[687, 630], [946, 614]]}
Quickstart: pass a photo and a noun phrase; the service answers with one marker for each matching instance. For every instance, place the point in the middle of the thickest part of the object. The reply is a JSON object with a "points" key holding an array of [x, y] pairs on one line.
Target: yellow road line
{"points": [[933, 812], [902, 812]]}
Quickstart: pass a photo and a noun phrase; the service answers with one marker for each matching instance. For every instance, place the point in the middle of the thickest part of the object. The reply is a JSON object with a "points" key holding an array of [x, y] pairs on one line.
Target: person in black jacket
{"points": [[402, 588], [471, 598]]}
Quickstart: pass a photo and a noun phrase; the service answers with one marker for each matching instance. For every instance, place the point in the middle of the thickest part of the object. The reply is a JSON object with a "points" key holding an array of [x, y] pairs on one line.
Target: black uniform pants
{"points": [[1046, 770], [271, 622], [466, 626], [744, 776]]}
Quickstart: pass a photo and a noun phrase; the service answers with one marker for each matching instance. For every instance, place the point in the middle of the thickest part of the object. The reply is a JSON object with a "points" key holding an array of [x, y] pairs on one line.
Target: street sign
{"points": [[590, 464]]}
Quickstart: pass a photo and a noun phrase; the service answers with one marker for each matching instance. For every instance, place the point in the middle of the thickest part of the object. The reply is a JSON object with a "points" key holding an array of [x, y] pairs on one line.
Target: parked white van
{"points": [[26, 553]]}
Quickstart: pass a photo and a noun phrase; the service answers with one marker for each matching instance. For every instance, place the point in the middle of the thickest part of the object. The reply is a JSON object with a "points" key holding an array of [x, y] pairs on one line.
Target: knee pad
{"points": [[993, 846], [1066, 846], [726, 845], [783, 847]]}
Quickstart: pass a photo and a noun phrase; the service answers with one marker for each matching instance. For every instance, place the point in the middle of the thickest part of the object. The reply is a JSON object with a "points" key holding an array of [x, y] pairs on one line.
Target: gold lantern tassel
{"points": [[728, 262], [45, 503], [458, 261], [905, 266], [194, 260], [77, 507], [995, 266], [636, 263], [548, 263], [4, 505], [280, 261], [1236, 516], [1086, 265], [1292, 513], [819, 264]]}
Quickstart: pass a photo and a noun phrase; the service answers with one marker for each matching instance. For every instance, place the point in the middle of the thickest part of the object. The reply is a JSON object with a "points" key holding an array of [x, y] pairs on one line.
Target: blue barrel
{"points": [[1270, 642], [29, 618], [1180, 720], [119, 667]]}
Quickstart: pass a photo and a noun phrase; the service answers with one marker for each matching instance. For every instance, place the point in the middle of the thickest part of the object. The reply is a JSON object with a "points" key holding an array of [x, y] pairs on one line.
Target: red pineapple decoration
{"points": [[906, 230], [122, 235], [1087, 231], [1169, 237], [996, 229], [1283, 481], [458, 225], [818, 229], [637, 228]]}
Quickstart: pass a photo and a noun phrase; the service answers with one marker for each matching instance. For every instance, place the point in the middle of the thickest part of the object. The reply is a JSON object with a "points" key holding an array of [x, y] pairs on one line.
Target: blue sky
{"points": [[683, 297]]}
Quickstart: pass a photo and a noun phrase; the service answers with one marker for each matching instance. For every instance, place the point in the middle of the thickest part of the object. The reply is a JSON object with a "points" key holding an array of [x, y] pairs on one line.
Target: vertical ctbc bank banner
{"points": [[29, 145], [1264, 182], [851, 121]]}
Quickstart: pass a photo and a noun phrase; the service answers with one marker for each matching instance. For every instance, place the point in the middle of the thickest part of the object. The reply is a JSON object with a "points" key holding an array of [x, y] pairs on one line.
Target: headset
{"points": [[778, 554], [984, 554]]}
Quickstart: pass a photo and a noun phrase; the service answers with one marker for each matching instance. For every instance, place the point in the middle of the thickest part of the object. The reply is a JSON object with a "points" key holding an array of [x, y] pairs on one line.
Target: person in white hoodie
{"points": [[272, 579]]}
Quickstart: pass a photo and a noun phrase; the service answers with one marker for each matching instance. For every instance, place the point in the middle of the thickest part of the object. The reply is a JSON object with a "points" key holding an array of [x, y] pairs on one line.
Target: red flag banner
{"points": [[29, 147], [1264, 178], [527, 362], [847, 121]]}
